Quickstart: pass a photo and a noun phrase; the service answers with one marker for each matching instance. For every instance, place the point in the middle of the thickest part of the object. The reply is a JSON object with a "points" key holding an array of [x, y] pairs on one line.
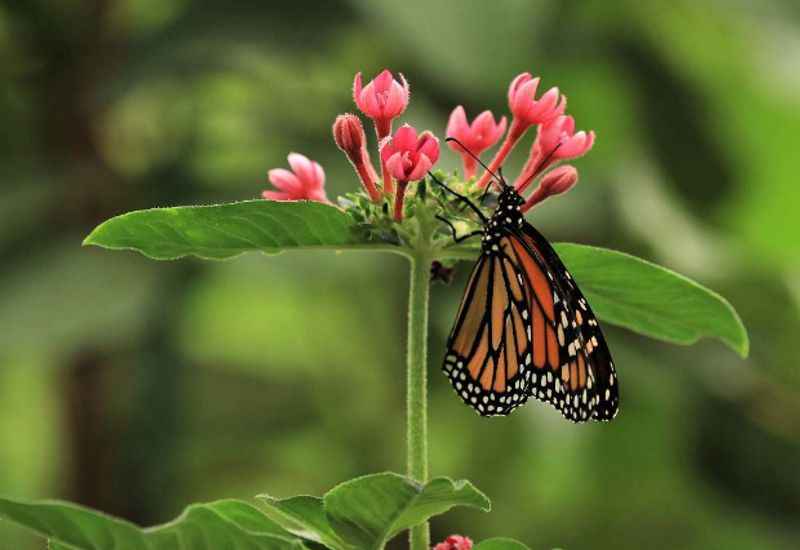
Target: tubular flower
{"points": [[556, 140], [383, 99], [526, 111], [349, 135], [476, 137], [559, 137], [455, 542], [557, 181], [408, 157], [306, 181]]}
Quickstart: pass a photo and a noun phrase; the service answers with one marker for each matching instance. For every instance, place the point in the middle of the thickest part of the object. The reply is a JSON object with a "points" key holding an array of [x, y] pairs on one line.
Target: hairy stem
{"points": [[417, 384]]}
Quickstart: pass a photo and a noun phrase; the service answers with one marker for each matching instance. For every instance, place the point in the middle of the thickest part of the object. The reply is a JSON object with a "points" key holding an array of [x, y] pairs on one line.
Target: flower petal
{"points": [[357, 89], [428, 145], [395, 166], [284, 180], [303, 168], [421, 168], [405, 138], [457, 124]]}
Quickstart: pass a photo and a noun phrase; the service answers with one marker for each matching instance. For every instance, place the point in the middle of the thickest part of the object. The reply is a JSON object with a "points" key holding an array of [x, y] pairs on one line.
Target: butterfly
{"points": [[524, 329]]}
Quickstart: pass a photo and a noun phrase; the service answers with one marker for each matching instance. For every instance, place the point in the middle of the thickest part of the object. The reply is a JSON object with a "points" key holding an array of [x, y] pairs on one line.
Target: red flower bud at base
{"points": [[455, 542]]}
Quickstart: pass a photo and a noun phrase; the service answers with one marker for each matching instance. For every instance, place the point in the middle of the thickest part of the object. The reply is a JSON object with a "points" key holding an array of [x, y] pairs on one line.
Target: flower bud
{"points": [[349, 135], [557, 181]]}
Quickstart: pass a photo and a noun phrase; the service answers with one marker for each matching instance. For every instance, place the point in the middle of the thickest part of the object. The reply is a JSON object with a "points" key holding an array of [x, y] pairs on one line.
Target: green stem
{"points": [[417, 384]]}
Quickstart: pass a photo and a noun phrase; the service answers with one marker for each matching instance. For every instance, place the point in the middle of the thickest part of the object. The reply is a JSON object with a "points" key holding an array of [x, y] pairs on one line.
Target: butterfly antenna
{"points": [[499, 179], [466, 200]]}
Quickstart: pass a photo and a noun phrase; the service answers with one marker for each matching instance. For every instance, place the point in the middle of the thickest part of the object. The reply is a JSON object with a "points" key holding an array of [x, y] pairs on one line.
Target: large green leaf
{"points": [[500, 543], [214, 526], [368, 511], [305, 517], [652, 300], [227, 230]]}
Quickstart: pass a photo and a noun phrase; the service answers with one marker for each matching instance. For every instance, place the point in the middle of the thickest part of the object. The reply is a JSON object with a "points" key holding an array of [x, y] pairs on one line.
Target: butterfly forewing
{"points": [[489, 356]]}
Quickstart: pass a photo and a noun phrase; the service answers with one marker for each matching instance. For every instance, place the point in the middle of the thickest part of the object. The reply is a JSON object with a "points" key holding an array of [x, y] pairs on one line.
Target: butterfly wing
{"points": [[582, 384], [489, 351]]}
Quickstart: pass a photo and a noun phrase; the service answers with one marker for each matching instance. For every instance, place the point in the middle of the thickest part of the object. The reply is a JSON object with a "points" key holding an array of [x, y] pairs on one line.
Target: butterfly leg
{"points": [[466, 200], [456, 238]]}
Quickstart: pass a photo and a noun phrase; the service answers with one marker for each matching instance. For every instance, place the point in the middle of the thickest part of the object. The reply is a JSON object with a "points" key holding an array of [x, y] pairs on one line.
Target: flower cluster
{"points": [[407, 155], [455, 542]]}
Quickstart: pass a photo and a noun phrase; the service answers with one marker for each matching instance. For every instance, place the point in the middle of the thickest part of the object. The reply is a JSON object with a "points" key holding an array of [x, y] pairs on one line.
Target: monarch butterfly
{"points": [[523, 328]]}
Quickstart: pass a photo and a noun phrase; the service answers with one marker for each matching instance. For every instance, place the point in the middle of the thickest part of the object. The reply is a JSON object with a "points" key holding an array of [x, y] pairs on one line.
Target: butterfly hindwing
{"points": [[488, 358]]}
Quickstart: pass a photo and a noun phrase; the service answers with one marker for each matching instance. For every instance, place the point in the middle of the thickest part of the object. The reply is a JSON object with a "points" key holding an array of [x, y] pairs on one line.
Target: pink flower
{"points": [[557, 181], [348, 133], [408, 157], [455, 542], [558, 137], [306, 181], [527, 111], [383, 99], [557, 140], [524, 105], [476, 137]]}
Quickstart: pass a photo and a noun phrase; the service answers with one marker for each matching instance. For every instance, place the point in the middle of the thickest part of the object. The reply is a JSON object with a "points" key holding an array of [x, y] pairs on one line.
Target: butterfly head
{"points": [[509, 199]]}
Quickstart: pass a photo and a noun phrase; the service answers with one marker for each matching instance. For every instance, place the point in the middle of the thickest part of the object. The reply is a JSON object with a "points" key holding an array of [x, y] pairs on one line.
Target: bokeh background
{"points": [[138, 387]]}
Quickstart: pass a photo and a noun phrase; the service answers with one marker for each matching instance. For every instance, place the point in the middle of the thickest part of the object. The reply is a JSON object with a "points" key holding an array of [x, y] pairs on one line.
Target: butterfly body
{"points": [[524, 329]]}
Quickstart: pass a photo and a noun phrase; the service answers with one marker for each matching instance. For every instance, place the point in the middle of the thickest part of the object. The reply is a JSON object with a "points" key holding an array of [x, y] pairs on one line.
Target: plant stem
{"points": [[417, 384]]}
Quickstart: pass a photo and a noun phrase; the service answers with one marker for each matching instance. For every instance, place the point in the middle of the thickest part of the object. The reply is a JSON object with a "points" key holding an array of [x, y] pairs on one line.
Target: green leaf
{"points": [[305, 517], [222, 524], [630, 292], [368, 511], [500, 543], [227, 230], [644, 297]]}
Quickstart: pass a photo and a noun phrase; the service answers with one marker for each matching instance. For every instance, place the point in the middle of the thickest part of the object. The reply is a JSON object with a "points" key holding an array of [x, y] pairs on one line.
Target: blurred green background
{"points": [[138, 387]]}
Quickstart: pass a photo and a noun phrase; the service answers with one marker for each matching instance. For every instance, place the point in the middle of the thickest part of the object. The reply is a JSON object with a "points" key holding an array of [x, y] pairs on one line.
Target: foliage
{"points": [[363, 513]]}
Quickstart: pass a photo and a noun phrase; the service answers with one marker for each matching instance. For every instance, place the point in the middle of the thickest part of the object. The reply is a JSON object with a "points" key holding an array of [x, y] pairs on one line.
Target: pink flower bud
{"points": [[557, 181], [476, 137], [383, 99], [408, 157], [349, 135], [556, 140], [306, 181], [455, 542]]}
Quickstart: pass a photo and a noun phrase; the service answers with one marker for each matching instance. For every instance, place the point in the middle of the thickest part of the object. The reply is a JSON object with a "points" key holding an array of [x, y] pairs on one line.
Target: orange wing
{"points": [[489, 354], [573, 368]]}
